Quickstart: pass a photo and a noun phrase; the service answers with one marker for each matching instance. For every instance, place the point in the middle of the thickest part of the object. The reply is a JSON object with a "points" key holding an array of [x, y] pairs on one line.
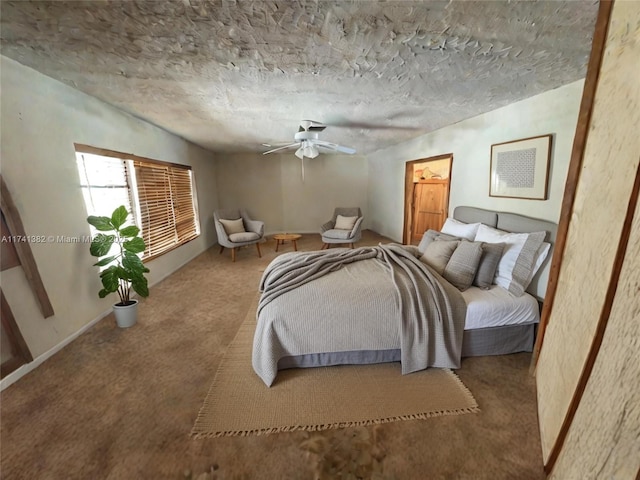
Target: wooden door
{"points": [[430, 206], [410, 172]]}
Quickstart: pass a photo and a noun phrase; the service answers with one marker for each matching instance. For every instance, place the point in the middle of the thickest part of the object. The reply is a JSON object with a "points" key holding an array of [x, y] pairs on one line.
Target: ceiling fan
{"points": [[308, 142]]}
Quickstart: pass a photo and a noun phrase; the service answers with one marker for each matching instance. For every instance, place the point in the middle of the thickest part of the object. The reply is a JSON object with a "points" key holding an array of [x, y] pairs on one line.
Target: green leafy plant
{"points": [[126, 270]]}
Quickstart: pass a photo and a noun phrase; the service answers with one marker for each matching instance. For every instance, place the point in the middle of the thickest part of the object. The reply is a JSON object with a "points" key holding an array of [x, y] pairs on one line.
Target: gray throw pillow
{"points": [[431, 235], [438, 253], [461, 268], [491, 253]]}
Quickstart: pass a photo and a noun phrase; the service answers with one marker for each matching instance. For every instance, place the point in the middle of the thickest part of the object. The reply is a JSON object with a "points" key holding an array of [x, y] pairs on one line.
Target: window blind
{"points": [[183, 204], [166, 203]]}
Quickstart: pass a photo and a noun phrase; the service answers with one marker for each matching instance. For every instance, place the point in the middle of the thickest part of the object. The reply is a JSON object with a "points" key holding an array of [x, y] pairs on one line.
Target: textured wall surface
{"points": [[41, 119], [602, 197], [604, 439], [229, 75]]}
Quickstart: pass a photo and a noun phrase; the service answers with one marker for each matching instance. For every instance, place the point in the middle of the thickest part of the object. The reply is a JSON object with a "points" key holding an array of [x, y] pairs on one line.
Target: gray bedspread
{"points": [[350, 300]]}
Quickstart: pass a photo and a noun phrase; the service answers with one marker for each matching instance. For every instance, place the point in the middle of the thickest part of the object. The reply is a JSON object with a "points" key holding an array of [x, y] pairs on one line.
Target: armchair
{"points": [[331, 234], [233, 234]]}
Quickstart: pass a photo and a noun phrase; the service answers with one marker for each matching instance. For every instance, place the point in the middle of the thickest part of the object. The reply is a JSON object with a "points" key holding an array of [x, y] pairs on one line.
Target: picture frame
{"points": [[520, 168]]}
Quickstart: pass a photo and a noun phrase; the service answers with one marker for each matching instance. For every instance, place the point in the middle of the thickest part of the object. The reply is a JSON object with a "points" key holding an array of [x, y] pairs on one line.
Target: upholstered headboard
{"points": [[512, 222]]}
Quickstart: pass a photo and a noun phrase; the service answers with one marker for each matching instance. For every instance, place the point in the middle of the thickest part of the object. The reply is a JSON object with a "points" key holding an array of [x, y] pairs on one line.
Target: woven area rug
{"points": [[239, 403]]}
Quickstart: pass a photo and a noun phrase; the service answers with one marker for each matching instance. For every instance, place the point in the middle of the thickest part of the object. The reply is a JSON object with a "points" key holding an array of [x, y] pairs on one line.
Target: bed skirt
{"points": [[475, 343], [498, 340]]}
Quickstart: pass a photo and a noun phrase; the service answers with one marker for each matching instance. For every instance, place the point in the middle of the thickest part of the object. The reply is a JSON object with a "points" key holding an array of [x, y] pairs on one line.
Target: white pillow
{"points": [[541, 254], [233, 226], [345, 223], [518, 257], [460, 229]]}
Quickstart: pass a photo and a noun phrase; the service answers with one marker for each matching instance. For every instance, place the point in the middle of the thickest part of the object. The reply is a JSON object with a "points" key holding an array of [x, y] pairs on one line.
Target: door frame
{"points": [[408, 191]]}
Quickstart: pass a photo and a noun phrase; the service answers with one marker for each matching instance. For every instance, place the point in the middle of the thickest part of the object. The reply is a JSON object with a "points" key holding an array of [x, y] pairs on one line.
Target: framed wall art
{"points": [[520, 169]]}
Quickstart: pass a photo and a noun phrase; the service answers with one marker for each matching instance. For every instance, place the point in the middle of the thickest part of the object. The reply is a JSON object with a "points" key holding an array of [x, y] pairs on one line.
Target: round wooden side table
{"points": [[280, 238]]}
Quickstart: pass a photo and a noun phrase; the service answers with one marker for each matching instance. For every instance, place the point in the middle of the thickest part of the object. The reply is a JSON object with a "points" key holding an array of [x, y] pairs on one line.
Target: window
{"points": [[159, 195], [104, 182]]}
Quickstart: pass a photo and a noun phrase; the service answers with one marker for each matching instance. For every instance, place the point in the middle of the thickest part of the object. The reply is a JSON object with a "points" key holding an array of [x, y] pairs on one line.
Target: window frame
{"points": [[134, 189]]}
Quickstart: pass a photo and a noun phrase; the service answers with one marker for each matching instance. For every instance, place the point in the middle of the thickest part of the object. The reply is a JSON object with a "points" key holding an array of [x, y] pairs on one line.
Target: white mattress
{"points": [[496, 307]]}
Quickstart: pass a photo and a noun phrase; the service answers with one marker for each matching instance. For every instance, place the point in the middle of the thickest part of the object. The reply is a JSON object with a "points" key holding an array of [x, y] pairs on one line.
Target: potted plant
{"points": [[125, 270]]}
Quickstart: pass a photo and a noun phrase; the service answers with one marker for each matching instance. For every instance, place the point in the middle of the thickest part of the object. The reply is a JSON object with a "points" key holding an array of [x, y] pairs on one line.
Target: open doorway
{"points": [[426, 196]]}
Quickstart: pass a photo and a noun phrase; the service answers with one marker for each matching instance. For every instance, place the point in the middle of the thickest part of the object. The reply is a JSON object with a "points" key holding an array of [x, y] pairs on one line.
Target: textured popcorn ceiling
{"points": [[232, 75]]}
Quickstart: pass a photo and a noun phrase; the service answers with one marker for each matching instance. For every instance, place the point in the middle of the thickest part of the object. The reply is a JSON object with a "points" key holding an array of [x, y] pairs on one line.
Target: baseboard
{"points": [[28, 367]]}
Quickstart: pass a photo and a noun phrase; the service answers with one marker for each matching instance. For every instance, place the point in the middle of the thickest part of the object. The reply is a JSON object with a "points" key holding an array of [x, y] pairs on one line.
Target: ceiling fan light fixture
{"points": [[307, 149], [311, 151]]}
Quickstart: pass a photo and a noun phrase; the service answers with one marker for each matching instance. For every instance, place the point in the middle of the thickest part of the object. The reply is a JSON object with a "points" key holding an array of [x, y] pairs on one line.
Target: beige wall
{"points": [[270, 187], [470, 142], [41, 119], [603, 440]]}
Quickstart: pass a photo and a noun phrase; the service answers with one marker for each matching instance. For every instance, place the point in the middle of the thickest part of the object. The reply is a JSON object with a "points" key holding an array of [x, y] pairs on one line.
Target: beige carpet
{"points": [[312, 399], [120, 404]]}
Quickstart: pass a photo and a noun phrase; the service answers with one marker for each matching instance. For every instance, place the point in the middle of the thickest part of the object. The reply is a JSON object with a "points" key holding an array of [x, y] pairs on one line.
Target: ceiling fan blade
{"points": [[281, 148], [348, 150], [335, 146]]}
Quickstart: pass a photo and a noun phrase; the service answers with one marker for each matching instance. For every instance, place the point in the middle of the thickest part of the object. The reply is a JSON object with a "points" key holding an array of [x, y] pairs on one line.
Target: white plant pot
{"points": [[126, 315]]}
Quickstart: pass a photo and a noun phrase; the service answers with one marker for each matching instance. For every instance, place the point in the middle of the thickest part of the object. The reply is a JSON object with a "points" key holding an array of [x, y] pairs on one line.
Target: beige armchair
{"points": [[236, 229], [345, 231]]}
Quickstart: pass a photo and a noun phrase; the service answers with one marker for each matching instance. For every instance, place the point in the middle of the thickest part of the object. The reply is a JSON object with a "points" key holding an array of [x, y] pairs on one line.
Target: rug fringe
{"points": [[464, 388], [195, 434]]}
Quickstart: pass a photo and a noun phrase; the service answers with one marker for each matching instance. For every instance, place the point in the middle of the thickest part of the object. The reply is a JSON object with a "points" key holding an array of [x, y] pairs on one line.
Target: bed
{"points": [[339, 307]]}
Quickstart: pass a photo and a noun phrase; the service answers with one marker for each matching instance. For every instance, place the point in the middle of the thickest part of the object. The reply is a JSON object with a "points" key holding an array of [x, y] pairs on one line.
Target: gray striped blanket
{"points": [[352, 300]]}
